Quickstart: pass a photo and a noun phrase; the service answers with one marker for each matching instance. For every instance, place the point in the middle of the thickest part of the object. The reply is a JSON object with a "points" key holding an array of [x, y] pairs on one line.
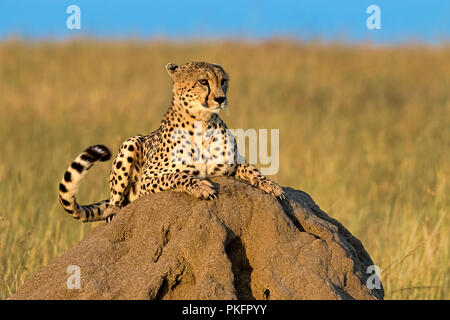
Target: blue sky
{"points": [[401, 20]]}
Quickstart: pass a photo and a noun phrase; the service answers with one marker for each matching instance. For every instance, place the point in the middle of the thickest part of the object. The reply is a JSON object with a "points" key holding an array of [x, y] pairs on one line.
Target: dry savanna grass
{"points": [[364, 130]]}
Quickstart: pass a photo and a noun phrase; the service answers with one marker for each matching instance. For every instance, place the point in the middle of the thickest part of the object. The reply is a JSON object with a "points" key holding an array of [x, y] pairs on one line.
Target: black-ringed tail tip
{"points": [[98, 152]]}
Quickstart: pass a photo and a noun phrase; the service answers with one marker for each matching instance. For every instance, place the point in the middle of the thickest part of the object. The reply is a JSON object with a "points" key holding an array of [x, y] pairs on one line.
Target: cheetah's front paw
{"points": [[272, 188], [203, 189]]}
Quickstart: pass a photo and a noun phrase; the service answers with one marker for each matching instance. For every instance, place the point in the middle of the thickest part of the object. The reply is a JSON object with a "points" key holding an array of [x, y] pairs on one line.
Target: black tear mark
{"points": [[207, 96]]}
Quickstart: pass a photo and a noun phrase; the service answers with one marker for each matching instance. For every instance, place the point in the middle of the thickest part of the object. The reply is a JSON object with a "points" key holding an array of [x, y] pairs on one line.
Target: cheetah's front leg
{"points": [[248, 173], [180, 181]]}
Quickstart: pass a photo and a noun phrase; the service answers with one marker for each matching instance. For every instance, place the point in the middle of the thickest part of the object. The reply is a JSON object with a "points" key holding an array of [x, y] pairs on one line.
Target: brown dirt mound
{"points": [[245, 245]]}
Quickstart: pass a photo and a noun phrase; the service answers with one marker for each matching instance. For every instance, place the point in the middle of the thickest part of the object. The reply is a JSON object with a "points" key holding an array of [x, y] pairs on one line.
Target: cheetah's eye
{"points": [[223, 82], [203, 82]]}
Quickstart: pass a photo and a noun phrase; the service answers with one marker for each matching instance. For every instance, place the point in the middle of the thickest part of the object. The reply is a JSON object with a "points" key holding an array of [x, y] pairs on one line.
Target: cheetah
{"points": [[191, 145]]}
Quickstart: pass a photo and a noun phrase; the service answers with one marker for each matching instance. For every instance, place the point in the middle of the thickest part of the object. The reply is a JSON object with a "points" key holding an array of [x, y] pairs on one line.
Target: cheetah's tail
{"points": [[71, 180]]}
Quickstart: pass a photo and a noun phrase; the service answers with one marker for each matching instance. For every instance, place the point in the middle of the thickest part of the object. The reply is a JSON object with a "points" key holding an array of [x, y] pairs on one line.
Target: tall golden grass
{"points": [[364, 130]]}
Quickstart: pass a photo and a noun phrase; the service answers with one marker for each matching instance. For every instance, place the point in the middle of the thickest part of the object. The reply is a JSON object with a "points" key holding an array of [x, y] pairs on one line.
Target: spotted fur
{"points": [[173, 156]]}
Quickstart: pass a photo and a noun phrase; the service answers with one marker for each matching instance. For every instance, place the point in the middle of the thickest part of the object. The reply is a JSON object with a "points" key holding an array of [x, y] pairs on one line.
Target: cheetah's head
{"points": [[199, 86]]}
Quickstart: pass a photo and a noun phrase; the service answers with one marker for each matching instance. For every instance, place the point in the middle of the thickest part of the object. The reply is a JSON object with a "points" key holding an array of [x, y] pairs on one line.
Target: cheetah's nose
{"points": [[219, 100]]}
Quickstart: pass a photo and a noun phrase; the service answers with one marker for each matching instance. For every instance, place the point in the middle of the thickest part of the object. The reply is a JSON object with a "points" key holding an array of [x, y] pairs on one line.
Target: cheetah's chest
{"points": [[218, 154], [210, 153]]}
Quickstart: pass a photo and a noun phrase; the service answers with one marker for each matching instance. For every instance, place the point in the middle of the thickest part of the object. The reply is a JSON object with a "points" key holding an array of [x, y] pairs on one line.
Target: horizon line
{"points": [[135, 38]]}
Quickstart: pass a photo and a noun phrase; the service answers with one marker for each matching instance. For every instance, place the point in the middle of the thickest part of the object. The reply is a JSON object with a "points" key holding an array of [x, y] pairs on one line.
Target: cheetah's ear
{"points": [[171, 68]]}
